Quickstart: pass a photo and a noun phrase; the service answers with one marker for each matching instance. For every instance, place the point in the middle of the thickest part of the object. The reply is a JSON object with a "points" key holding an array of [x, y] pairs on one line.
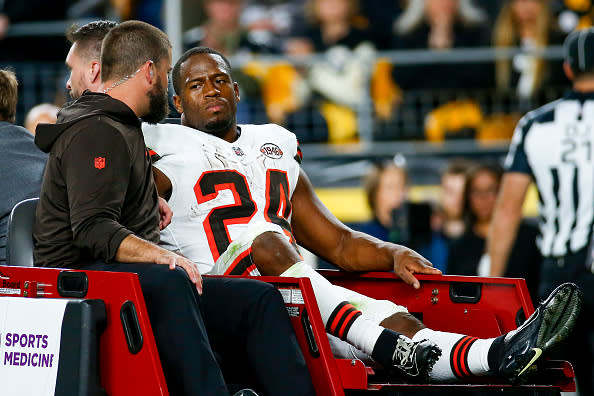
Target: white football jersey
{"points": [[218, 188]]}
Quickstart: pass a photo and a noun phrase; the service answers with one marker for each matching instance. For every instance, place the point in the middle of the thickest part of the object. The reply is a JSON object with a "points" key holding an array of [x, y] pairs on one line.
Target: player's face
{"points": [[208, 97], [78, 66]]}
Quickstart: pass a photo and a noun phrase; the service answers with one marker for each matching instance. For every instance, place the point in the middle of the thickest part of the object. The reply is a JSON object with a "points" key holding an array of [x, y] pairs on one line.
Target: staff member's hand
{"points": [[174, 260]]}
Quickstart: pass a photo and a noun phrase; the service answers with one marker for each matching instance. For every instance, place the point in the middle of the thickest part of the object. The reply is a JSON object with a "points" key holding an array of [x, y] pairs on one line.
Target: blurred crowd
{"points": [[315, 66], [333, 71], [451, 230]]}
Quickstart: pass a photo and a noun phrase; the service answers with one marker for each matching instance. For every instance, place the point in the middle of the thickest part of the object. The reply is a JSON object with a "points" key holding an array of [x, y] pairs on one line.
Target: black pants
{"points": [[243, 319], [579, 347]]}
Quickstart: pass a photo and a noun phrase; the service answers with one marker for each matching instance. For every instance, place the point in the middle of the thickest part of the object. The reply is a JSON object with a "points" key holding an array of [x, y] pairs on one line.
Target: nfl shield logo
{"points": [[100, 162]]}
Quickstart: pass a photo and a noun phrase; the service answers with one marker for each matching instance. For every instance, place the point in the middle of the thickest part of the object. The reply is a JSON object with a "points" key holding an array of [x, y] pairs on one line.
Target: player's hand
{"points": [[408, 262], [174, 260], [165, 214]]}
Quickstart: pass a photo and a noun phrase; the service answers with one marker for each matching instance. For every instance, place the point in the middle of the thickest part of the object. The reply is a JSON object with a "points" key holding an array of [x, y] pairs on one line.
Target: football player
{"points": [[241, 203]]}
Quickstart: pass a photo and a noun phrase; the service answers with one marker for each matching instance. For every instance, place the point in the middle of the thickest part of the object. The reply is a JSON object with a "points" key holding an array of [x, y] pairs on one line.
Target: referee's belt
{"points": [[571, 259]]}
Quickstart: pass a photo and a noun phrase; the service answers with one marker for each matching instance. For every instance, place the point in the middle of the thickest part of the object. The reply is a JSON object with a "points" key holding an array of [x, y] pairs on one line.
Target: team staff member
{"points": [[98, 210], [84, 62], [553, 147]]}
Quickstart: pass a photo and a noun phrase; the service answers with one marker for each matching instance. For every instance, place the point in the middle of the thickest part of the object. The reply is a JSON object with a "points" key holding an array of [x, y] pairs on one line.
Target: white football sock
{"points": [[340, 317], [461, 356]]}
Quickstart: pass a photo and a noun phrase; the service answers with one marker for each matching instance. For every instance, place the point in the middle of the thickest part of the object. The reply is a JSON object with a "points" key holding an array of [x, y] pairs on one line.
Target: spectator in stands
{"points": [[340, 80], [441, 25], [447, 224], [453, 180], [49, 46], [386, 189], [46, 113], [397, 219], [329, 23], [274, 16], [224, 32], [466, 255], [21, 162], [528, 24]]}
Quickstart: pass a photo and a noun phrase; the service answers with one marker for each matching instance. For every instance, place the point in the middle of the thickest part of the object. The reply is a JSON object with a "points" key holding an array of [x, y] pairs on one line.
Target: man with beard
{"points": [[83, 62], [98, 211]]}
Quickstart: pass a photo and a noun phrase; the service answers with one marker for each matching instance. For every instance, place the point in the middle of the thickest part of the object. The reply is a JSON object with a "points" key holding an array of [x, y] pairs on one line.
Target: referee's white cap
{"points": [[579, 50]]}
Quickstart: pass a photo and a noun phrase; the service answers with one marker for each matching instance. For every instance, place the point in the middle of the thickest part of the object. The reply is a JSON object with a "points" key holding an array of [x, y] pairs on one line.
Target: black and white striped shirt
{"points": [[554, 144]]}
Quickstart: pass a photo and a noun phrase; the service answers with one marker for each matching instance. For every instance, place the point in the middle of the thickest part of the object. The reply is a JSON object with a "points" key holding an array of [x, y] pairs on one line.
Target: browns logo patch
{"points": [[271, 150], [99, 162]]}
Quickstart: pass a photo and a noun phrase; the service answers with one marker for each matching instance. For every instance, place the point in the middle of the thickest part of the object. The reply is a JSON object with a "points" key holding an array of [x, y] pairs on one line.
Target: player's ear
{"points": [[236, 89], [178, 105]]}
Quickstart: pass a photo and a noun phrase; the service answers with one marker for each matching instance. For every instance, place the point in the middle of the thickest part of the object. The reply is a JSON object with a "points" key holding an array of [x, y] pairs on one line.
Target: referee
{"points": [[554, 147]]}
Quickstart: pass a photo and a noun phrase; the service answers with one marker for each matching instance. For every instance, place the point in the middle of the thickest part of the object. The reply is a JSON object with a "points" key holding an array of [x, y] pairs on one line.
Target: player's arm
{"points": [[163, 183], [506, 220], [319, 231], [164, 189]]}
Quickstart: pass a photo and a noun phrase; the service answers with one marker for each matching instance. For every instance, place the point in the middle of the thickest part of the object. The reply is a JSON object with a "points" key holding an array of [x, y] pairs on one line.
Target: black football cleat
{"points": [[415, 359], [551, 323]]}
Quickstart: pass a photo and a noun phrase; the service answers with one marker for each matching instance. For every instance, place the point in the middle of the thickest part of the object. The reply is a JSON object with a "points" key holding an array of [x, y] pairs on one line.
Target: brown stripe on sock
{"points": [[338, 317], [459, 357], [350, 319]]}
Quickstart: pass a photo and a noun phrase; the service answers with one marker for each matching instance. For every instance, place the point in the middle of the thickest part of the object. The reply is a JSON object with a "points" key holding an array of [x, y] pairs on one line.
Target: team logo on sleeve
{"points": [[271, 150], [99, 162]]}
